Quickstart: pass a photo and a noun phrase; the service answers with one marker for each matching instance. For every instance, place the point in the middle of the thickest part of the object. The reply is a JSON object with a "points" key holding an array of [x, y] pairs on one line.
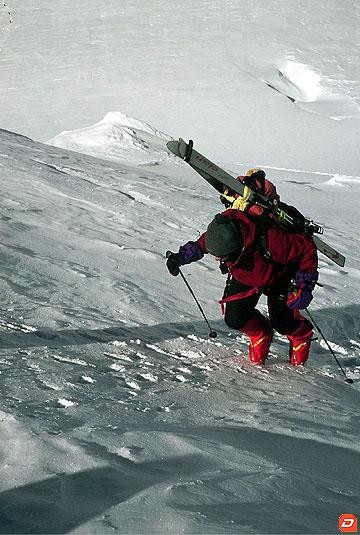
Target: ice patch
{"points": [[18, 327], [184, 370], [117, 367], [86, 379], [68, 360], [190, 354], [119, 343], [132, 384], [147, 377], [118, 357], [65, 403], [180, 378], [125, 453]]}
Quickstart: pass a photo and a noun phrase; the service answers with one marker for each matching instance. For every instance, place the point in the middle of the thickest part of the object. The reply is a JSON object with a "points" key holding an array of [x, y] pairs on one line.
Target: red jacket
{"points": [[289, 253]]}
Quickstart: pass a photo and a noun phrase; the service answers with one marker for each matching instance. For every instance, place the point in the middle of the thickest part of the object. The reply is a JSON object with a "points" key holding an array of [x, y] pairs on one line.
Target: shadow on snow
{"points": [[340, 325], [69, 337], [63, 502]]}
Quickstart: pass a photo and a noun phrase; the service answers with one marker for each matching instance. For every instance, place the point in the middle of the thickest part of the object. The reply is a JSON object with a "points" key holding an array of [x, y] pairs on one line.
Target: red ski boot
{"points": [[260, 332], [300, 341]]}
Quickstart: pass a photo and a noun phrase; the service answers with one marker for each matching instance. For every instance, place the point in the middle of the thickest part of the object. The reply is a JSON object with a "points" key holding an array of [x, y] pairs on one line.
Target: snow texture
{"points": [[118, 412]]}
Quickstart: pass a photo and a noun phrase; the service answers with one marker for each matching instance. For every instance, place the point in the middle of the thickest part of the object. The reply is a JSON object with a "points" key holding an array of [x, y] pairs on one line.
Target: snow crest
{"points": [[117, 137]]}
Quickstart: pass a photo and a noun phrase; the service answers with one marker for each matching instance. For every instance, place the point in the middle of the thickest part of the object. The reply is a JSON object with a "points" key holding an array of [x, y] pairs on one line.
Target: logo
{"points": [[348, 523]]}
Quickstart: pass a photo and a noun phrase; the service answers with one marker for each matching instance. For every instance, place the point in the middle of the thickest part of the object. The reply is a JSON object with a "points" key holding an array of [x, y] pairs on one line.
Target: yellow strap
{"points": [[299, 346], [242, 202], [260, 341]]}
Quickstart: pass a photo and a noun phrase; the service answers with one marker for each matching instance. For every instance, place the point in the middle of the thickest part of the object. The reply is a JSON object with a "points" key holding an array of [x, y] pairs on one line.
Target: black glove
{"points": [[173, 264]]}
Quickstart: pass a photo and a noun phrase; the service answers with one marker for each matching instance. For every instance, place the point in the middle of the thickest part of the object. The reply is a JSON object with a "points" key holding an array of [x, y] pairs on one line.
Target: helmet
{"points": [[223, 236]]}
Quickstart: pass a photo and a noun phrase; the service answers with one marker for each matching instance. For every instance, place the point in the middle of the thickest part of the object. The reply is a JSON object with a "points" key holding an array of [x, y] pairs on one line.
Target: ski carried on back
{"points": [[218, 178]]}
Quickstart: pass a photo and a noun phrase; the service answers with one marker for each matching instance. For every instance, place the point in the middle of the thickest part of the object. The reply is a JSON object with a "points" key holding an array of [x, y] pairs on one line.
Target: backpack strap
{"points": [[263, 245], [262, 224]]}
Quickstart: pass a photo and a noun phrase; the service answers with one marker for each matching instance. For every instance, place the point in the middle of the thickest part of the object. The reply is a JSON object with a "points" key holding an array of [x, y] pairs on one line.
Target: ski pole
{"points": [[212, 333], [347, 379]]}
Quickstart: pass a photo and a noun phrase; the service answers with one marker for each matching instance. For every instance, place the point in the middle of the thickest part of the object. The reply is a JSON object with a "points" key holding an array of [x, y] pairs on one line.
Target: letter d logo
{"points": [[348, 523]]}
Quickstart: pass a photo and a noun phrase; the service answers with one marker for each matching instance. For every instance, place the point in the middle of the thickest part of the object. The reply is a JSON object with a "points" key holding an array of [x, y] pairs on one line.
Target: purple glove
{"points": [[190, 252], [306, 279], [299, 299], [301, 296]]}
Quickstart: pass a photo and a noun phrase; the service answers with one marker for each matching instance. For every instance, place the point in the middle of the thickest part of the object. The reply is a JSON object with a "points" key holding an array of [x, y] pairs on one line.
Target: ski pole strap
{"points": [[188, 152], [235, 297]]}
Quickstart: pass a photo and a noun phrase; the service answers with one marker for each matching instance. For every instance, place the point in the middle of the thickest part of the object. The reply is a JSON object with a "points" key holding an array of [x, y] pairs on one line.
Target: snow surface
{"points": [[118, 412]]}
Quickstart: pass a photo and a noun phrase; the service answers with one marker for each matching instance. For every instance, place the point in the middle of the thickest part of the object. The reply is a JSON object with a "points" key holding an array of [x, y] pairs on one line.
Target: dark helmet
{"points": [[223, 236]]}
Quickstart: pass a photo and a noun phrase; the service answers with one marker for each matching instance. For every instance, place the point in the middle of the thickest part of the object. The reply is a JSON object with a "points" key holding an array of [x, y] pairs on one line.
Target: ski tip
{"points": [[173, 147]]}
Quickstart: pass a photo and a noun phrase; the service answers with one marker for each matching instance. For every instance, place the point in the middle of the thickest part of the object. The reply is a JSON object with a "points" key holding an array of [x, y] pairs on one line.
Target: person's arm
{"points": [[301, 251]]}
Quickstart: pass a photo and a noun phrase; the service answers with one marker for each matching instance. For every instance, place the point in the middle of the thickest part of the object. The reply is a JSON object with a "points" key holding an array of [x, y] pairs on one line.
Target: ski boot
{"points": [[260, 332], [300, 341]]}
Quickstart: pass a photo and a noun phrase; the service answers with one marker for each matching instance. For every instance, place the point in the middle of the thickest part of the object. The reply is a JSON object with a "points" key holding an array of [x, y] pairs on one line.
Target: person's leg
{"points": [[240, 314], [292, 324]]}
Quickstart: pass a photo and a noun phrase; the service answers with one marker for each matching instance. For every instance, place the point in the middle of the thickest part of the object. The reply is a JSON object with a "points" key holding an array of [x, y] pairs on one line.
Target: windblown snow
{"points": [[118, 412]]}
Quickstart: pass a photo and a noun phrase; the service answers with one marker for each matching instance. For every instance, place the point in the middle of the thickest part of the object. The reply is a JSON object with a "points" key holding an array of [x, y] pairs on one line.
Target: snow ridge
{"points": [[117, 137]]}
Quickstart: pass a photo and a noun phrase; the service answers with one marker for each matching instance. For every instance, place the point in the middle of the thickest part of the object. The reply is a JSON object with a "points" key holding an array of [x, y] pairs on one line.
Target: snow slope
{"points": [[118, 412]]}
